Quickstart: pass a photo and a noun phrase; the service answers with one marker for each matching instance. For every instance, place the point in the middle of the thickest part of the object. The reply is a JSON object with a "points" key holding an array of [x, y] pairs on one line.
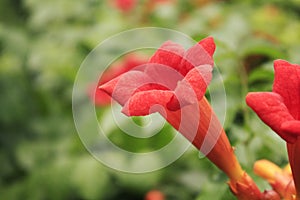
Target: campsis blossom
{"points": [[280, 109], [173, 83]]}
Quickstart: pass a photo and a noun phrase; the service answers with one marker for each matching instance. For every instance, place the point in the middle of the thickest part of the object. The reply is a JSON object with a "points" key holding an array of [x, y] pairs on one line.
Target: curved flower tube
{"points": [[280, 109]]}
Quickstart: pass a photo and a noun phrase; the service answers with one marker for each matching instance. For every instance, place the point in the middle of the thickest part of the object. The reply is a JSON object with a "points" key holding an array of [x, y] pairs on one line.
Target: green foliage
{"points": [[42, 45]]}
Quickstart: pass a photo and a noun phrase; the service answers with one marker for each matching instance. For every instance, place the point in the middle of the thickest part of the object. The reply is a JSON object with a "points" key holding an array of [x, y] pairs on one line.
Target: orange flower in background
{"points": [[281, 180], [280, 109]]}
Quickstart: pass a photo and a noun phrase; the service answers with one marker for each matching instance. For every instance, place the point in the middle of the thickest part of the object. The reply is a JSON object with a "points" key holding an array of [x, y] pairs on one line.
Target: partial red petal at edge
{"points": [[122, 87], [287, 84], [209, 45], [270, 108]]}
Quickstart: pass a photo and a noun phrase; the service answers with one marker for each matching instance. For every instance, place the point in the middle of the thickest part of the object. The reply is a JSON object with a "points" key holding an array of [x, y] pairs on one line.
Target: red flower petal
{"points": [[130, 61], [143, 103], [169, 54], [109, 86], [199, 78], [291, 127], [199, 54], [270, 108], [99, 97], [122, 87], [209, 45], [192, 88], [163, 75], [287, 84]]}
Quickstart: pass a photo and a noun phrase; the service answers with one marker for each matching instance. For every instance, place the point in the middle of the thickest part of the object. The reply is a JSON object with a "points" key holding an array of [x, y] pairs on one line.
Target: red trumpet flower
{"points": [[280, 109], [173, 83]]}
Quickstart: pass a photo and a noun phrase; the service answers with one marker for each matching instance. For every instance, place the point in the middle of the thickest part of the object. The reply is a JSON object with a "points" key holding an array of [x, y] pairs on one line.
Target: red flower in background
{"points": [[125, 5], [129, 62], [280, 110], [154, 195]]}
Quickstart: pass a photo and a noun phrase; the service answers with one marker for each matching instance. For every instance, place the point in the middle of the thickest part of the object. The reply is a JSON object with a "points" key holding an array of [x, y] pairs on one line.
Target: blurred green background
{"points": [[42, 45]]}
